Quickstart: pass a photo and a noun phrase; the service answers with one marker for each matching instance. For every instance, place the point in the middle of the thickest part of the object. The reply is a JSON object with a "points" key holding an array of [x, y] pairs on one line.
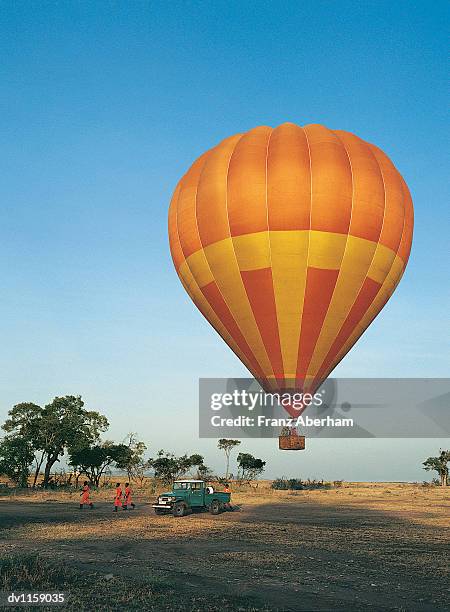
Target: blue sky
{"points": [[105, 104]]}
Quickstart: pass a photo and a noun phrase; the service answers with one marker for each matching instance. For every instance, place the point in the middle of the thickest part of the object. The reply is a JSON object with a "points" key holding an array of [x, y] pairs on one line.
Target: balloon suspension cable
{"points": [[294, 411]]}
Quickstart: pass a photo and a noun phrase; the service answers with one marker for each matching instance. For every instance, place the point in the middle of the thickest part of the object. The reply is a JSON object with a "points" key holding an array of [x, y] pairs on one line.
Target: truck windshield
{"points": [[181, 485]]}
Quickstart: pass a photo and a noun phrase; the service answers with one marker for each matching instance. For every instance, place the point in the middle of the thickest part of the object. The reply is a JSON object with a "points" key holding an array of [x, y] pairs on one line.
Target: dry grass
{"points": [[359, 546], [91, 591]]}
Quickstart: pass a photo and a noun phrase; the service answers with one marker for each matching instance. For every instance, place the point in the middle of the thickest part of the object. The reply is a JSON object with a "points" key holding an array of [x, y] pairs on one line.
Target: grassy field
{"points": [[362, 546]]}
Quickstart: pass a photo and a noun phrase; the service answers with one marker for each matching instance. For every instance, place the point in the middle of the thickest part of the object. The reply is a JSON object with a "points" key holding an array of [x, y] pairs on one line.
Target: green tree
{"points": [[94, 461], [204, 472], [227, 446], [60, 426], [68, 426], [168, 467], [25, 422], [140, 471], [134, 463], [440, 465], [249, 467], [16, 458], [201, 471]]}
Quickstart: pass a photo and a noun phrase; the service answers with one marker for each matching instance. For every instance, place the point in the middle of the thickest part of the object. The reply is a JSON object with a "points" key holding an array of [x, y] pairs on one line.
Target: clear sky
{"points": [[105, 104]]}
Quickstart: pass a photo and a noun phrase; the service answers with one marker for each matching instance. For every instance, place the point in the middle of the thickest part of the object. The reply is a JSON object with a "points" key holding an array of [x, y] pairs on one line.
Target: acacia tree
{"points": [[440, 465], [168, 467], [25, 423], [140, 470], [134, 463], [227, 446], [249, 467], [61, 425], [16, 457], [204, 472], [68, 426], [96, 460]]}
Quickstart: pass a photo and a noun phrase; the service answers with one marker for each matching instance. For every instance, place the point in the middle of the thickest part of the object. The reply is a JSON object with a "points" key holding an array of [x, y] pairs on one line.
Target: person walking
{"points": [[118, 497], [127, 497], [85, 496]]}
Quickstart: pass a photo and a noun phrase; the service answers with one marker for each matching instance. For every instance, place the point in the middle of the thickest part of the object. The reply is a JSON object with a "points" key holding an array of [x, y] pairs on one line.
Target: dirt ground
{"points": [[357, 547]]}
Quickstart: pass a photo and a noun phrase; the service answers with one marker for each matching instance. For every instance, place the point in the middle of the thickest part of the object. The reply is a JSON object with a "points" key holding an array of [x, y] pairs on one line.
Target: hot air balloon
{"points": [[290, 240]]}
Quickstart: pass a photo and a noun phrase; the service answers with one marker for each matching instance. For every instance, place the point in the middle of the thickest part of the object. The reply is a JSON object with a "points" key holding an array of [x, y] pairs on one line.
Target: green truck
{"points": [[189, 495]]}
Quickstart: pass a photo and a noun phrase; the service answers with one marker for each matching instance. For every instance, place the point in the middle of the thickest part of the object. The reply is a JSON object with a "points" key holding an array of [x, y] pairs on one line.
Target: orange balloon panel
{"points": [[290, 241]]}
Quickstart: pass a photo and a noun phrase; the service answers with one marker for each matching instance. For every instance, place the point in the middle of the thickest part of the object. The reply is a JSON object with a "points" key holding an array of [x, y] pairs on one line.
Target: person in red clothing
{"points": [[227, 488], [85, 499], [118, 497], [127, 497]]}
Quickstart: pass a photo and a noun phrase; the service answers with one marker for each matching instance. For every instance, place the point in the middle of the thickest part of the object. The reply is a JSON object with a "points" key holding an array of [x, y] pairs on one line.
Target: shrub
{"points": [[280, 484], [297, 484]]}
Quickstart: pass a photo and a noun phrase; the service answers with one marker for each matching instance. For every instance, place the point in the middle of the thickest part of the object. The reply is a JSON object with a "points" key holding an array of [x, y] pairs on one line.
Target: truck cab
{"points": [[189, 495]]}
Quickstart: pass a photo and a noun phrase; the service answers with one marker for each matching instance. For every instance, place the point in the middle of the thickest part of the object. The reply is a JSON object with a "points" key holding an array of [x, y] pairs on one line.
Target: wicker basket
{"points": [[291, 442]]}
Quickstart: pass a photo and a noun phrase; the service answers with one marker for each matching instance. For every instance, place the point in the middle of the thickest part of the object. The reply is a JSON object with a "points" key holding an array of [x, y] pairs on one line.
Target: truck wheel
{"points": [[215, 507], [179, 509]]}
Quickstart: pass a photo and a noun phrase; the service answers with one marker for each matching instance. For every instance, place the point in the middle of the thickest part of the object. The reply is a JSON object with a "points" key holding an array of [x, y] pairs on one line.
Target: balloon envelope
{"points": [[290, 241]]}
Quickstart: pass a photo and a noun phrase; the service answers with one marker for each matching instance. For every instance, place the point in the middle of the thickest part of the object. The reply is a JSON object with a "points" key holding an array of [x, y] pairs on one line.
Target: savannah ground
{"points": [[356, 547]]}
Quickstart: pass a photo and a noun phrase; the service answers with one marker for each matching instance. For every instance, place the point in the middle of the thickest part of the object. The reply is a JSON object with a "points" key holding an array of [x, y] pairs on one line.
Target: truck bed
{"points": [[220, 495]]}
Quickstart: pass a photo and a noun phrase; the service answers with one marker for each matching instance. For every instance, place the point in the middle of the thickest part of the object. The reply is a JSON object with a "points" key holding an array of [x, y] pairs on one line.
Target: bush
{"points": [[297, 484], [434, 483], [280, 484]]}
